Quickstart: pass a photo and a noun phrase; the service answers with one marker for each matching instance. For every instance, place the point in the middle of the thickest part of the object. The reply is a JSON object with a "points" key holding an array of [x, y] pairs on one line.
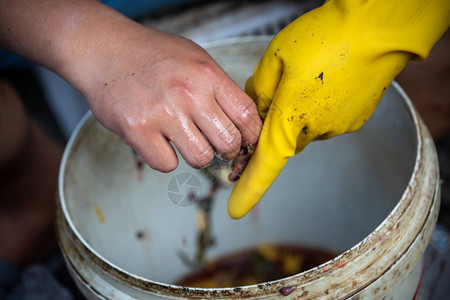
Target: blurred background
{"points": [[57, 108]]}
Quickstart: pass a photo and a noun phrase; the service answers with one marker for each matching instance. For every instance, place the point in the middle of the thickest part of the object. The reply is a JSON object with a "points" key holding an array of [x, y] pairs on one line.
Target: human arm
{"points": [[146, 86]]}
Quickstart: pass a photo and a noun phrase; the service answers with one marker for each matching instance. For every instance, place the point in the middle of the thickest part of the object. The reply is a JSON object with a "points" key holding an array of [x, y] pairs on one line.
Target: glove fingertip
{"points": [[239, 203], [236, 212]]}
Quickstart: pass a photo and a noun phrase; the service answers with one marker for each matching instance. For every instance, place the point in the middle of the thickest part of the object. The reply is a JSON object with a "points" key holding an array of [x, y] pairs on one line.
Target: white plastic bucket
{"points": [[372, 195]]}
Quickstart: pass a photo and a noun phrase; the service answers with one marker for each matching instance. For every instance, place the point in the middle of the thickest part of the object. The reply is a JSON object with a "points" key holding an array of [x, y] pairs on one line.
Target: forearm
{"points": [[60, 35]]}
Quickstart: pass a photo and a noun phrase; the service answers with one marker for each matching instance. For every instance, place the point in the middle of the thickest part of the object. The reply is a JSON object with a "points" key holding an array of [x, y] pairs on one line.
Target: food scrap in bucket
{"points": [[257, 265]]}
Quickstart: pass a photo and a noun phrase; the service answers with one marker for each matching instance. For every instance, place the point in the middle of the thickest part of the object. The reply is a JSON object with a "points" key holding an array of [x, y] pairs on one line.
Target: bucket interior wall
{"points": [[330, 196]]}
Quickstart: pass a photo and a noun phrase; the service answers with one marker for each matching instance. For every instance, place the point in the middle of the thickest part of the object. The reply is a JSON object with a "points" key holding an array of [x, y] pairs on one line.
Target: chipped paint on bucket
{"points": [[378, 210]]}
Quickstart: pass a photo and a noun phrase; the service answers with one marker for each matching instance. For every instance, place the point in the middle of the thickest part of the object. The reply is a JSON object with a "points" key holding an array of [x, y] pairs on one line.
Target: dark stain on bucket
{"points": [[140, 169], [139, 166], [142, 235], [287, 290]]}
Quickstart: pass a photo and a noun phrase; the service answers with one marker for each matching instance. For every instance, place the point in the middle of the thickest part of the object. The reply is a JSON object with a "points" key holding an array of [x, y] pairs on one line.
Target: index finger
{"points": [[240, 109]]}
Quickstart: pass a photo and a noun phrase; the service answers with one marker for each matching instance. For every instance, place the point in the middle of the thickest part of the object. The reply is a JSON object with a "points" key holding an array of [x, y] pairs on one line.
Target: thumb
{"points": [[250, 88], [262, 86]]}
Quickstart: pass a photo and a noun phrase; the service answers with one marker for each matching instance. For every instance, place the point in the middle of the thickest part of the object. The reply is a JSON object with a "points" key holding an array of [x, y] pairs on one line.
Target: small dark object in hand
{"points": [[240, 162]]}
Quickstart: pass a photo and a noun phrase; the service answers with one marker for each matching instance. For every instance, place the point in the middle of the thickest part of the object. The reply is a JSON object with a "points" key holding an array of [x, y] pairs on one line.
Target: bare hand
{"points": [[160, 88]]}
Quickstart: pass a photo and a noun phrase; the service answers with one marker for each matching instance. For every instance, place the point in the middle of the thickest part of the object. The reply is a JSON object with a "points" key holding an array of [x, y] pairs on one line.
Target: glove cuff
{"points": [[412, 26]]}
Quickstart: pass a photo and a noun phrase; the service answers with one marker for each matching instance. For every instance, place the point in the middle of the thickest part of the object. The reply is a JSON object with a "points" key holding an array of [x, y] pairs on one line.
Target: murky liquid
{"points": [[256, 265]]}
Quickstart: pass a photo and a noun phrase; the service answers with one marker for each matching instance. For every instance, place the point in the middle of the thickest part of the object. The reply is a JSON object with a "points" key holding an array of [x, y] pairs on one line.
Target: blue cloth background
{"points": [[130, 8]]}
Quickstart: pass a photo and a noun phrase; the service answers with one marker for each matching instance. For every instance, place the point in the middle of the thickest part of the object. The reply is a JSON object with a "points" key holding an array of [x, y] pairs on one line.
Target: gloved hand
{"points": [[324, 74]]}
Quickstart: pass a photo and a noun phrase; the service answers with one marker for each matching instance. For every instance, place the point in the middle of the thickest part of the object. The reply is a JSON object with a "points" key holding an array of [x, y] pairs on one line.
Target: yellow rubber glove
{"points": [[324, 74]]}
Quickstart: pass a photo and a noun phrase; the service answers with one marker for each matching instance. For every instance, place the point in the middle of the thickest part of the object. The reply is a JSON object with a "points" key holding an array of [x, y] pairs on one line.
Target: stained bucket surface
{"points": [[371, 196]]}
